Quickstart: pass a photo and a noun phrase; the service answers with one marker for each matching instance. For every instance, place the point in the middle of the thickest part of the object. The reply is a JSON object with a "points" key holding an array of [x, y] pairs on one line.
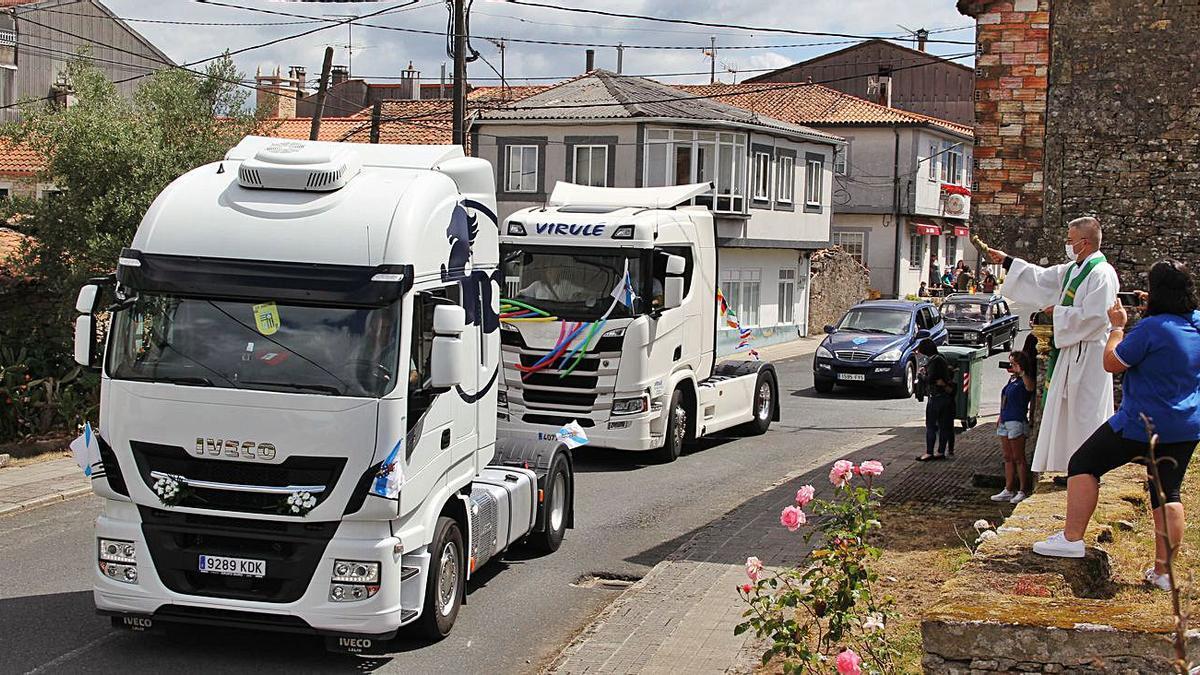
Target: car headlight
{"points": [[823, 353], [355, 572], [630, 406], [891, 355]]}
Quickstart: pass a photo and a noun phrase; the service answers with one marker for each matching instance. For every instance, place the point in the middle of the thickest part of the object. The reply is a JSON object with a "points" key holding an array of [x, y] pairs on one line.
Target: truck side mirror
{"points": [[675, 265], [85, 339], [447, 355], [672, 292], [86, 302], [923, 333]]}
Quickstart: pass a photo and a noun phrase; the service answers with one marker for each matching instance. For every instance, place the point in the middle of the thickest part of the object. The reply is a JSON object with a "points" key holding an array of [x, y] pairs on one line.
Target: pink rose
{"points": [[847, 663], [747, 588], [753, 568], [792, 518], [841, 472], [871, 468], [804, 495]]}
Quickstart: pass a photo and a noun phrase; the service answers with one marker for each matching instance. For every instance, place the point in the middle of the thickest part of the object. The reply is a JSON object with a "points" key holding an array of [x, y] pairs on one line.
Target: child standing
{"points": [[1012, 428]]}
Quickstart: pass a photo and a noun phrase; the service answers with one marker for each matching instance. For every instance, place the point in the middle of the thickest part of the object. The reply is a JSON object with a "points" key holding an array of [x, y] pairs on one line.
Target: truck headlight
{"points": [[630, 406], [355, 572], [115, 550], [971, 335], [890, 356], [823, 353], [616, 332]]}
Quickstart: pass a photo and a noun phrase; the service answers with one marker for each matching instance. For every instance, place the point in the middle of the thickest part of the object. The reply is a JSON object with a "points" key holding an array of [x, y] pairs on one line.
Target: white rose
{"points": [[982, 524]]}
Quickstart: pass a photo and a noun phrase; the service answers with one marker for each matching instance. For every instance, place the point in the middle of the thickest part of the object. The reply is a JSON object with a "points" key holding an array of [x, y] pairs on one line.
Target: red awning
{"points": [[961, 231], [925, 226]]}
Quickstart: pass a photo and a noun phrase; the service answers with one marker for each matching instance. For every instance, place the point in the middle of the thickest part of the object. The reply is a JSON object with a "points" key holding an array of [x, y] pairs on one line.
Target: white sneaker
{"points": [[1057, 546], [1162, 581], [1002, 496], [1018, 498]]}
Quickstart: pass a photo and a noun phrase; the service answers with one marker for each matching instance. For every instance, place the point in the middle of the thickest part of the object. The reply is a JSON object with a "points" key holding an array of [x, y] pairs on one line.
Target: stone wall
{"points": [[838, 283], [1088, 107], [1123, 134]]}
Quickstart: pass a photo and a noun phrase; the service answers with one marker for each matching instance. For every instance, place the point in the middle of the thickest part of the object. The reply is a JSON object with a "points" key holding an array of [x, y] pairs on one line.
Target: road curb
{"points": [[45, 500]]}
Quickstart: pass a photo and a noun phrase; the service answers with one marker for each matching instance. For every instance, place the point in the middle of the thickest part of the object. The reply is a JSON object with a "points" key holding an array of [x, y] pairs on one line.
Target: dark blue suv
{"points": [[874, 344]]}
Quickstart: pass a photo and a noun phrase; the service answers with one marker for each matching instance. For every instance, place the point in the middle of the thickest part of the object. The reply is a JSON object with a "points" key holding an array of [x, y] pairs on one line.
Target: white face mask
{"points": [[1071, 252]]}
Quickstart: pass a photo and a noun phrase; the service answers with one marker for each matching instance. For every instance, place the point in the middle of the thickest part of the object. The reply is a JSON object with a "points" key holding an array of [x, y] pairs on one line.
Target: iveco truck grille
{"points": [[291, 551], [241, 478]]}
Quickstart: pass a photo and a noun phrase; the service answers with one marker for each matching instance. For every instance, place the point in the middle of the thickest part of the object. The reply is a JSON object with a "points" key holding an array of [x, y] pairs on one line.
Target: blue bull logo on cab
{"points": [[574, 229]]}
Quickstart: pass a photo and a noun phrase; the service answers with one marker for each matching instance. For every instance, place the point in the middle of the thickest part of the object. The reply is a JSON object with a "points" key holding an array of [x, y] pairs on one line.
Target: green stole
{"points": [[1070, 287]]}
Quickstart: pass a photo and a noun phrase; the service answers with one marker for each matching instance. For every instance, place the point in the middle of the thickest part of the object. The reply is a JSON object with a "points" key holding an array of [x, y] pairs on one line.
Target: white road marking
{"points": [[74, 653]]}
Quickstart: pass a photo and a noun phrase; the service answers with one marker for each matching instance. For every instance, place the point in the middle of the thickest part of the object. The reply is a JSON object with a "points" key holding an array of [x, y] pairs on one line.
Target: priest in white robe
{"points": [[1079, 397]]}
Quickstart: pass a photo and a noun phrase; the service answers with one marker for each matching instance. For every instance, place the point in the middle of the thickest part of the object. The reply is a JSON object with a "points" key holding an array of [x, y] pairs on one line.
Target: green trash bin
{"points": [[967, 363]]}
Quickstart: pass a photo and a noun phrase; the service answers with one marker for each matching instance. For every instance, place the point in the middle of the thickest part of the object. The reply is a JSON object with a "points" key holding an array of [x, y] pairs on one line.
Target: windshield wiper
{"points": [[186, 380], [874, 330], [323, 388]]}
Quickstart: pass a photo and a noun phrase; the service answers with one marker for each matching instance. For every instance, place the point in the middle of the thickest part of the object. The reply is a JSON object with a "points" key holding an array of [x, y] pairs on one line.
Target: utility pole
{"points": [[712, 52], [460, 71], [620, 56], [322, 88]]}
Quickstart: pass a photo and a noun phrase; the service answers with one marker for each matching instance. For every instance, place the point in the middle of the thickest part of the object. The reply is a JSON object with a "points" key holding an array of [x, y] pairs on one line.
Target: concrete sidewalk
{"points": [[680, 617], [33, 485]]}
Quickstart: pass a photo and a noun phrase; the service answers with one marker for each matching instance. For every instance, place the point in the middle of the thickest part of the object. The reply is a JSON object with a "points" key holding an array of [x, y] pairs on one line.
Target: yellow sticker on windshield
{"points": [[266, 318]]}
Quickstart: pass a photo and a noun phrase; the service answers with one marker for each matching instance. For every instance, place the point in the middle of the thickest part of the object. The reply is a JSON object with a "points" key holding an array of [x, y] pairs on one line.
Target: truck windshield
{"points": [[873, 320], [577, 284], [256, 345]]}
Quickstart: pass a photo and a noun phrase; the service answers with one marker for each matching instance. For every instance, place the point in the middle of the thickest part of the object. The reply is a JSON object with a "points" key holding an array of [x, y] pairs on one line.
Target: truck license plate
{"points": [[234, 567], [853, 377]]}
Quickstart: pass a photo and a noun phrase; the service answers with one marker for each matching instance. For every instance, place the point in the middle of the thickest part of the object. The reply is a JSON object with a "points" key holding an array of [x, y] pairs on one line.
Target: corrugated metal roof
{"points": [[602, 95]]}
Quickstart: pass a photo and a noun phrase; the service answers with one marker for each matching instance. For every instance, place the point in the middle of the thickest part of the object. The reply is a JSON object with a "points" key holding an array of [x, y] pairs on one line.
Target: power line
{"points": [[708, 24]]}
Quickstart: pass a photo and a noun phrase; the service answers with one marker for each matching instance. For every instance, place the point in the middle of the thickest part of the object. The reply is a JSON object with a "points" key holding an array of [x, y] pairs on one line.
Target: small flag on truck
{"points": [[86, 451], [572, 435]]}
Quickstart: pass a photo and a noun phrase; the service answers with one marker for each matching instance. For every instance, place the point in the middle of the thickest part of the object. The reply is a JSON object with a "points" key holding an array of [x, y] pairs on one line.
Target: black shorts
{"points": [[1106, 450]]}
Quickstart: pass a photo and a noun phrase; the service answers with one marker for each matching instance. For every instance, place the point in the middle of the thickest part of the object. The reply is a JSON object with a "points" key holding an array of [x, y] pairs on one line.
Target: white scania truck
{"points": [[298, 404], [640, 375]]}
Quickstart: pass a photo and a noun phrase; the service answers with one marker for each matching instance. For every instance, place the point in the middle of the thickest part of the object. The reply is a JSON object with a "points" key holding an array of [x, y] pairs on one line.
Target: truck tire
{"points": [[556, 507], [823, 385], [765, 390], [676, 432], [446, 586]]}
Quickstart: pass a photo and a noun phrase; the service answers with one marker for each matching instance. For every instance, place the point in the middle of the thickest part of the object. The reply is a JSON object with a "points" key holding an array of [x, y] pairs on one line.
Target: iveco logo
{"points": [[232, 448]]}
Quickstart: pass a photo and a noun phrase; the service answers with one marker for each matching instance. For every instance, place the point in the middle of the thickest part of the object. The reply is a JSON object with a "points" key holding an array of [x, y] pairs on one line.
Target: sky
{"points": [[380, 54]]}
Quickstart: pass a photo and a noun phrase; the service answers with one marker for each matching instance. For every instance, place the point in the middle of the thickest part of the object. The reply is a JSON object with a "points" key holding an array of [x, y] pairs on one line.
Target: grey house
{"points": [[38, 38], [772, 180]]}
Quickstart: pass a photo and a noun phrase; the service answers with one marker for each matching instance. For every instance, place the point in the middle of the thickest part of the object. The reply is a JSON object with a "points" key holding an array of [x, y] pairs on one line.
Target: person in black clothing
{"points": [[939, 404]]}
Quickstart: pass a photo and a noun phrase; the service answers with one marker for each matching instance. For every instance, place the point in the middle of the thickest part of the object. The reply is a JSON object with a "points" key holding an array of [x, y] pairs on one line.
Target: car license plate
{"points": [[852, 377], [234, 567]]}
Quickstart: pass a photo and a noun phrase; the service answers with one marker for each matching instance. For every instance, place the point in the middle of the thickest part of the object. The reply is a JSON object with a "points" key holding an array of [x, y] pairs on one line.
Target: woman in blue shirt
{"points": [[1012, 429], [1161, 360]]}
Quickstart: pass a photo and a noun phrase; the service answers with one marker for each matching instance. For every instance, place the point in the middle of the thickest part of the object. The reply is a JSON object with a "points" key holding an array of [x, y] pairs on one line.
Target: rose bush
{"points": [[825, 612]]}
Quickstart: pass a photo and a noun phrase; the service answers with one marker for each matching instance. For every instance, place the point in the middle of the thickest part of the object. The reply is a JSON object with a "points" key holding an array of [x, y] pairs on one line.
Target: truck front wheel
{"points": [[764, 404], [556, 507], [673, 439], [446, 586]]}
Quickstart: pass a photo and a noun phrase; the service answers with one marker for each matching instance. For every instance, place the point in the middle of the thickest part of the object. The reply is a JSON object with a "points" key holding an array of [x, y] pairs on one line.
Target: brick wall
{"points": [[1010, 120], [1089, 107]]}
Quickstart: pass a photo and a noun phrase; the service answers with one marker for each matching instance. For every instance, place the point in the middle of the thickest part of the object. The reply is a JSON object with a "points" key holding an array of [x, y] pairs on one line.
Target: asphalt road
{"points": [[520, 611]]}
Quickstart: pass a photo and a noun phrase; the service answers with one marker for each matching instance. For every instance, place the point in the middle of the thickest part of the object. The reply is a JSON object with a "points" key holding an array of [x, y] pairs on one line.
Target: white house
{"points": [[773, 180]]}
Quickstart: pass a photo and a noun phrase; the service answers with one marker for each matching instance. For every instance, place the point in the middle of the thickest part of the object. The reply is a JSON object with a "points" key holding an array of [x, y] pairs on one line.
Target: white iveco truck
{"points": [[298, 403], [637, 375]]}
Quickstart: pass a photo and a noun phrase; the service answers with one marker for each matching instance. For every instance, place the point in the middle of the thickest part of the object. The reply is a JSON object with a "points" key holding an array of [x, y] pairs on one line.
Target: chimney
{"points": [[922, 37], [275, 94], [338, 75], [410, 87], [297, 75], [591, 61]]}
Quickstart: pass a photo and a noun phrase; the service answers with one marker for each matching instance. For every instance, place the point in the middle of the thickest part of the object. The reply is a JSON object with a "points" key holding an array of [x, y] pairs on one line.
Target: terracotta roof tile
{"points": [[432, 130], [816, 105], [19, 160]]}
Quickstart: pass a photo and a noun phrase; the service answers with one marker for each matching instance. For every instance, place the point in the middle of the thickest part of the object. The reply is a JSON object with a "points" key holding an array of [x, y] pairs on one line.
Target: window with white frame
{"points": [[814, 178], [521, 169], [841, 160], [679, 157], [786, 188], [762, 176], [933, 161], [787, 295], [591, 165], [853, 243], [741, 290], [952, 167], [969, 165], [916, 250]]}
